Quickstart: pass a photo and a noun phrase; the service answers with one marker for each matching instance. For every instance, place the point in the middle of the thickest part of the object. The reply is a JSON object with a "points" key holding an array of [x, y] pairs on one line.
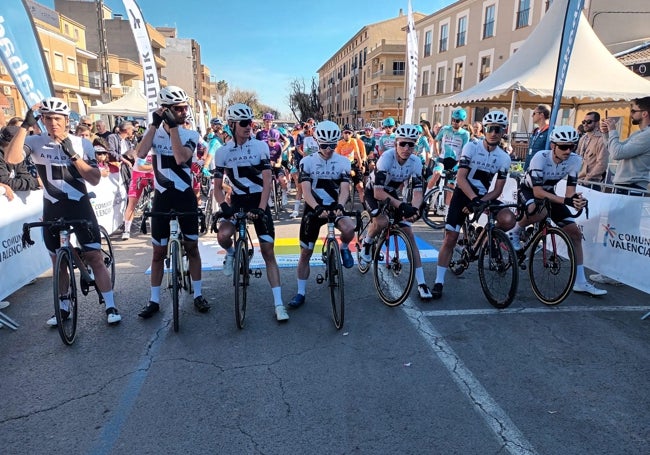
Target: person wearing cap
{"points": [[14, 177], [449, 144], [305, 145], [387, 139], [348, 147], [65, 163], [172, 148]]}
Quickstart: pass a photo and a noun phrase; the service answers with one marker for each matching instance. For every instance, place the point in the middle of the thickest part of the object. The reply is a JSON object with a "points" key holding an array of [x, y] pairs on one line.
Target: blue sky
{"points": [[263, 45]]}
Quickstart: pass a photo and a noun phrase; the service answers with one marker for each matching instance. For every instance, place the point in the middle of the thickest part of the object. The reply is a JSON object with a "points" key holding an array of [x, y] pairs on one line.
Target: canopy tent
{"points": [[594, 74], [132, 104]]}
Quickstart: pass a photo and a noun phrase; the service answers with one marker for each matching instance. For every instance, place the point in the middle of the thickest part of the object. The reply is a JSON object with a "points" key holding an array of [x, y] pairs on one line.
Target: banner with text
{"points": [[412, 52]]}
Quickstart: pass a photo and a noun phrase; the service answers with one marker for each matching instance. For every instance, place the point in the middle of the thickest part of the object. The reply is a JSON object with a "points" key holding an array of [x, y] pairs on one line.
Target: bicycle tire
{"points": [[335, 283], [208, 212], [176, 281], [205, 185], [361, 234], [433, 205], [276, 202], [108, 257], [67, 327], [551, 275], [498, 269], [392, 284], [240, 282]]}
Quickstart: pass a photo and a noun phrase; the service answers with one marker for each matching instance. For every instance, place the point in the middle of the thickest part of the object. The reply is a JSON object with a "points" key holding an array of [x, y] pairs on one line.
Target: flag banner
{"points": [[142, 41], [82, 106], [20, 51], [412, 51], [571, 19]]}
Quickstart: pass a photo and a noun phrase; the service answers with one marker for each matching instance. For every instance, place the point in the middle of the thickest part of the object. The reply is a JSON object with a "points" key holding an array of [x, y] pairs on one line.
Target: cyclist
{"points": [[216, 127], [142, 175], [349, 148], [387, 140], [245, 161], [172, 150], [64, 163], [546, 168], [479, 162], [275, 153], [267, 120], [325, 178], [394, 168], [305, 145], [449, 144]]}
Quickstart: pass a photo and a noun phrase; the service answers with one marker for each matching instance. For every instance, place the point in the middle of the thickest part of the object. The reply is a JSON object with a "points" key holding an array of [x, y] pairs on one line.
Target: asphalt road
{"points": [[448, 377]]}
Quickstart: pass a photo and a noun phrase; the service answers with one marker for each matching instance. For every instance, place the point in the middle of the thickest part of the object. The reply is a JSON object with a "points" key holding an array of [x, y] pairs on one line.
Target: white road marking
{"points": [[550, 309]]}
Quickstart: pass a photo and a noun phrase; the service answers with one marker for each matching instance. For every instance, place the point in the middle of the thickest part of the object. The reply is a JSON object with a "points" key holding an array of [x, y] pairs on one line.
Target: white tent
{"points": [[132, 104], [594, 74]]}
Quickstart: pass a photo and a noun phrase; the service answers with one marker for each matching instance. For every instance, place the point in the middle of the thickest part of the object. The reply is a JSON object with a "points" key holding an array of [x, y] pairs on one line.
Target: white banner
{"points": [[142, 41], [412, 52], [18, 265], [110, 201]]}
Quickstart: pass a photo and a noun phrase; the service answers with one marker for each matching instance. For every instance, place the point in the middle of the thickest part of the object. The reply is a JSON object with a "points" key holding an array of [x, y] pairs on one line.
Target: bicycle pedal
{"points": [[320, 279]]}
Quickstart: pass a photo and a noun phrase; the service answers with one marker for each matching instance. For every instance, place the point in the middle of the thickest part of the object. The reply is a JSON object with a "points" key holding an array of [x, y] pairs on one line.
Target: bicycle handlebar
{"points": [[58, 224]]}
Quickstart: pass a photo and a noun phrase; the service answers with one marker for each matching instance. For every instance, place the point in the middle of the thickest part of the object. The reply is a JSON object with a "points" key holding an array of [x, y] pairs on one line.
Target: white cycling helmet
{"points": [[54, 105], [407, 131], [495, 117], [171, 95], [327, 132], [564, 134], [239, 111]]}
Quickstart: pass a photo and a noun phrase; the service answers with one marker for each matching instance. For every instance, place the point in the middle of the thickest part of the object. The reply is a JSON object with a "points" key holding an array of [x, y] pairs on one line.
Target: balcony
{"points": [[388, 75], [381, 102]]}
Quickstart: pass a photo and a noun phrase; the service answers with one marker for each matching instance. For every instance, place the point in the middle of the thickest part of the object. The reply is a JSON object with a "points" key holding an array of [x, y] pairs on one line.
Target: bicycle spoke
{"points": [[241, 282], [65, 289], [335, 282], [552, 266], [393, 267], [498, 270]]}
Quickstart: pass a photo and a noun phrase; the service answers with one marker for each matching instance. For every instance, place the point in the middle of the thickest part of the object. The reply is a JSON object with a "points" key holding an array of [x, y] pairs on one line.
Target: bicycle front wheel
{"points": [[65, 290], [434, 207], [107, 253], [361, 234], [240, 278], [498, 270], [335, 282], [393, 267], [177, 280], [276, 201], [552, 265]]}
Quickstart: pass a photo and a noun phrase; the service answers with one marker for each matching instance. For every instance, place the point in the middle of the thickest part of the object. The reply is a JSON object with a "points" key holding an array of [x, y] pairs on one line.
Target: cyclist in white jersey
{"points": [[172, 149], [546, 169], [305, 145], [479, 163], [394, 168], [246, 162], [64, 163], [325, 178]]}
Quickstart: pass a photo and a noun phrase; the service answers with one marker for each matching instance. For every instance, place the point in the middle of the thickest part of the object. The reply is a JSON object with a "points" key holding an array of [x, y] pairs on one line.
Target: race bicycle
{"points": [[435, 201], [69, 258]]}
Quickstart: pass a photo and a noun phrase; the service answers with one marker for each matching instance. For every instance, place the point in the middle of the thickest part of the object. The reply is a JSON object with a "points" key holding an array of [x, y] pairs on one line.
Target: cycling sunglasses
{"points": [[327, 146], [496, 129], [245, 123], [406, 144]]}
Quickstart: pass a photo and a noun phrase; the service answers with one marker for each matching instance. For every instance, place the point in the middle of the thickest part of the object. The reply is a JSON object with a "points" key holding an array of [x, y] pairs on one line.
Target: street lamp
{"points": [[399, 103]]}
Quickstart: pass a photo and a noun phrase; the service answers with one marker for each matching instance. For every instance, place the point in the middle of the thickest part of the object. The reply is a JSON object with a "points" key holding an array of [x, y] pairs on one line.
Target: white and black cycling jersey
{"points": [[390, 175], [325, 176], [167, 173], [543, 171], [61, 179], [243, 165], [482, 165]]}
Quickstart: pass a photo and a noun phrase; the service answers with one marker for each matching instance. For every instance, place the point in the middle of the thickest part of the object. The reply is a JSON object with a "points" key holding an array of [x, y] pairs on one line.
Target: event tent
{"points": [[594, 74], [132, 104]]}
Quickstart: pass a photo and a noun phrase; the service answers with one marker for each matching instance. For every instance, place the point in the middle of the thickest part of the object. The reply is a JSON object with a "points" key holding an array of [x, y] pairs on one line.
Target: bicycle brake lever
{"points": [[26, 238], [143, 225]]}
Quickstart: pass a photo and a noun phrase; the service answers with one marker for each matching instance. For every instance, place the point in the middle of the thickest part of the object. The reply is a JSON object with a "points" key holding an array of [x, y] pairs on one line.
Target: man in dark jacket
{"points": [[16, 176]]}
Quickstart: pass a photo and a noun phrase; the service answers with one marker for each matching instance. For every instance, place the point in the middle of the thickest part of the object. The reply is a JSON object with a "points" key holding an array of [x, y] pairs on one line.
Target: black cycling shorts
{"points": [[180, 201], [87, 239]]}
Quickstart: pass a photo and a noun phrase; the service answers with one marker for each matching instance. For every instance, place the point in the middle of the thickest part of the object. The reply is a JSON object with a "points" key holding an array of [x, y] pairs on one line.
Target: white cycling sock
{"points": [[155, 294], [580, 274], [277, 295], [197, 288], [302, 287], [419, 275], [127, 226], [109, 299], [440, 274]]}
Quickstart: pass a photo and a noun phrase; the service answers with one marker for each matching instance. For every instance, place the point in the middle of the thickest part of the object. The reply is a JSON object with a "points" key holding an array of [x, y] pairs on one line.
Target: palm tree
{"points": [[222, 90]]}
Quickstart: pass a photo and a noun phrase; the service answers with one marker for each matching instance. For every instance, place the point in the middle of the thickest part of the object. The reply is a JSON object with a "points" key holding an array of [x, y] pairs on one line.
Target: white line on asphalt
{"points": [[496, 418], [563, 309]]}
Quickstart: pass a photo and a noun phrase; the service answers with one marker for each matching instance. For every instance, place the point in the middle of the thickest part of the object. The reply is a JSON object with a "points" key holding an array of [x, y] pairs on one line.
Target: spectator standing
{"points": [[541, 116], [101, 130], [13, 177], [120, 145], [593, 150]]}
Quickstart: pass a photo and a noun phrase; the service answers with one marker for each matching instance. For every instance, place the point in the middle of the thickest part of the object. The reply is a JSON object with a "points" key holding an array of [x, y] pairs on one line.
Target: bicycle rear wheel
{"points": [[552, 265], [434, 207], [240, 279], [107, 253], [276, 200], [65, 287], [335, 282], [177, 280], [361, 234], [498, 270], [393, 267]]}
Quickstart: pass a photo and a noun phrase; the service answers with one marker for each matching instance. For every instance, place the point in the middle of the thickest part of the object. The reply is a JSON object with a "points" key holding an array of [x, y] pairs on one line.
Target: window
{"points": [[46, 54], [458, 77], [425, 83], [440, 80], [58, 62], [523, 13], [444, 37], [72, 66], [398, 68], [485, 67], [427, 43], [461, 36], [488, 26]]}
